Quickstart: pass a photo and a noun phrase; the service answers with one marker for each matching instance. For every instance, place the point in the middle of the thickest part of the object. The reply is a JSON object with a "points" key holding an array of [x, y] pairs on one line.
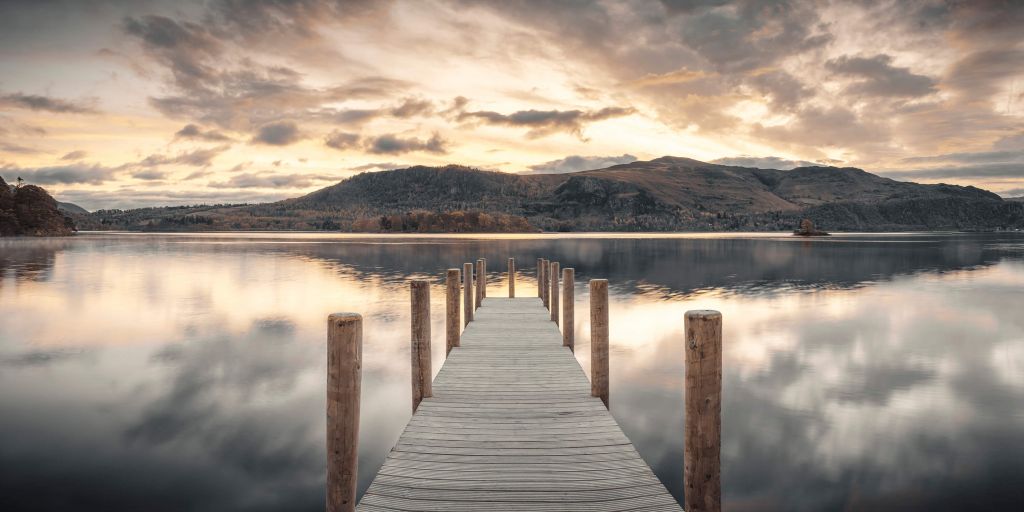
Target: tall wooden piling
{"points": [[702, 443], [481, 281], [451, 310], [511, 278], [599, 339], [554, 291], [421, 374], [544, 282], [540, 277], [467, 297], [569, 308], [344, 376]]}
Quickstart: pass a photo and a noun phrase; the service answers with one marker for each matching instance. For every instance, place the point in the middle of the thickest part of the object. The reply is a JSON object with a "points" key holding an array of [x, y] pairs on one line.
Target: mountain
{"points": [[668, 193], [71, 208], [29, 210]]}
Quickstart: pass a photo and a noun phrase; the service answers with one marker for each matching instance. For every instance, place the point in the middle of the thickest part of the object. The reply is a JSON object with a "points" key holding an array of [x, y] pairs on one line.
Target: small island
{"points": [[807, 229], [28, 210]]}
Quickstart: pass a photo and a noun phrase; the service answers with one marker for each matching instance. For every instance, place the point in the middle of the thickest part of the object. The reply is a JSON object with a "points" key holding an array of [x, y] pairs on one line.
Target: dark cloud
{"points": [[342, 140], [194, 132], [976, 157], [981, 74], [576, 163], [390, 144], [149, 175], [62, 174], [8, 147], [74, 155], [412, 107], [966, 172], [195, 158], [281, 133], [267, 179], [784, 90], [45, 104], [546, 122], [183, 47], [878, 77], [44, 357], [763, 162]]}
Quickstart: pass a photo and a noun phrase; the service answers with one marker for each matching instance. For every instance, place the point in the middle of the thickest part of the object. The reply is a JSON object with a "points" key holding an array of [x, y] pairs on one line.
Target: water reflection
{"points": [[186, 372]]}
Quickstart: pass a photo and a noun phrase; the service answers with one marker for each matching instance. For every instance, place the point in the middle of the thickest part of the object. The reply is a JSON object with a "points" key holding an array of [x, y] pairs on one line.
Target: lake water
{"points": [[187, 372]]}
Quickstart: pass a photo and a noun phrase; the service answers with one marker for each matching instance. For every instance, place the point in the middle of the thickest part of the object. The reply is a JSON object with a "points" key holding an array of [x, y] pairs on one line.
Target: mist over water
{"points": [[187, 372]]}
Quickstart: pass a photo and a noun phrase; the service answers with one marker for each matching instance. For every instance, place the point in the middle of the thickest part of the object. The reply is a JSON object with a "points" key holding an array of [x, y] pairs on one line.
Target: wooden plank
{"points": [[512, 425]]}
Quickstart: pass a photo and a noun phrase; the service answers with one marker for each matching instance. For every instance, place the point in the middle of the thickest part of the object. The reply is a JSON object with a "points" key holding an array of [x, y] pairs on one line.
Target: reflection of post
{"points": [[540, 277], [344, 375], [569, 308], [451, 310], [467, 296], [511, 277], [599, 339], [481, 279], [421, 384], [702, 432], [554, 292]]}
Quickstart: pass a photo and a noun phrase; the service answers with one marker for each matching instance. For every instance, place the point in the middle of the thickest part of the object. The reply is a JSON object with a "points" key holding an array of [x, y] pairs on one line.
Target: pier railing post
{"points": [[452, 328], [511, 278], [554, 291], [481, 281], [599, 339], [421, 374], [568, 308], [540, 277], [544, 282], [702, 443], [467, 297], [344, 376]]}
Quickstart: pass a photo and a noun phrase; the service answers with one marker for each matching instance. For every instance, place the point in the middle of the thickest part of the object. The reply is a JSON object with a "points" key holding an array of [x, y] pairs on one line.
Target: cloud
{"points": [[381, 166], [391, 144], [576, 163], [194, 132], [45, 104], [74, 155], [149, 175], [280, 133], [8, 147], [195, 158], [412, 107], [268, 179], [967, 172], [342, 140], [61, 174], [763, 162], [878, 77], [545, 122]]}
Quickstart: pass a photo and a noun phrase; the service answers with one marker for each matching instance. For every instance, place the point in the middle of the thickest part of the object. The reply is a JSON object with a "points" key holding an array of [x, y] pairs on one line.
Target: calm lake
{"points": [[187, 372]]}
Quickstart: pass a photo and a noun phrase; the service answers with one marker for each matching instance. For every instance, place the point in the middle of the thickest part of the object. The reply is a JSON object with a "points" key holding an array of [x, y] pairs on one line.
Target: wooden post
{"points": [[451, 310], [511, 278], [702, 442], [544, 282], [481, 281], [554, 291], [467, 296], [540, 277], [421, 374], [568, 308], [599, 339], [344, 375]]}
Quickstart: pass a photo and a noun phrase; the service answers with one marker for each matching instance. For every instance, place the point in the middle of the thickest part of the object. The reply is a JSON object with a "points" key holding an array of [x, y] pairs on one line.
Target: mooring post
{"points": [[344, 375], [540, 277], [568, 308], [511, 278], [421, 382], [544, 282], [702, 441], [467, 297], [481, 281], [599, 339], [451, 310], [554, 291]]}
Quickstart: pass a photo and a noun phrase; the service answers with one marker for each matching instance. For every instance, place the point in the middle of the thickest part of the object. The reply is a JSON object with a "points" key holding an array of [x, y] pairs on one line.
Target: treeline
{"points": [[28, 210], [444, 222]]}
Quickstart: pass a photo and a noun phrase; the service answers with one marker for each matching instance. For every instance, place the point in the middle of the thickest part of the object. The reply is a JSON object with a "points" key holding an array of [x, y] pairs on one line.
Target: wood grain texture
{"points": [[511, 278], [702, 430], [481, 281], [512, 427], [569, 308], [420, 340], [468, 299], [452, 328], [344, 378], [540, 277], [553, 285], [599, 339]]}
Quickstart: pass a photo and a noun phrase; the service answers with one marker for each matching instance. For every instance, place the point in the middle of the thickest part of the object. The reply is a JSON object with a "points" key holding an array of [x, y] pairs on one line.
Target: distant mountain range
{"points": [[667, 193]]}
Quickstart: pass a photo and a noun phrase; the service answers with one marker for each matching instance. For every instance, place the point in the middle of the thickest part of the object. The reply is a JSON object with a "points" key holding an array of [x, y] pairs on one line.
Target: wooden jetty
{"points": [[511, 422]]}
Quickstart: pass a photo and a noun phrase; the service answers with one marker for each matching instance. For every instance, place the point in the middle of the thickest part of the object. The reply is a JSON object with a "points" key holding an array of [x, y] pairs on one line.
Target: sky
{"points": [[119, 104]]}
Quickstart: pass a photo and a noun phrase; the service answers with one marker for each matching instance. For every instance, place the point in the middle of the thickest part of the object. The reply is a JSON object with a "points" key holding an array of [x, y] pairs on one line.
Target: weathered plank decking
{"points": [[512, 426]]}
